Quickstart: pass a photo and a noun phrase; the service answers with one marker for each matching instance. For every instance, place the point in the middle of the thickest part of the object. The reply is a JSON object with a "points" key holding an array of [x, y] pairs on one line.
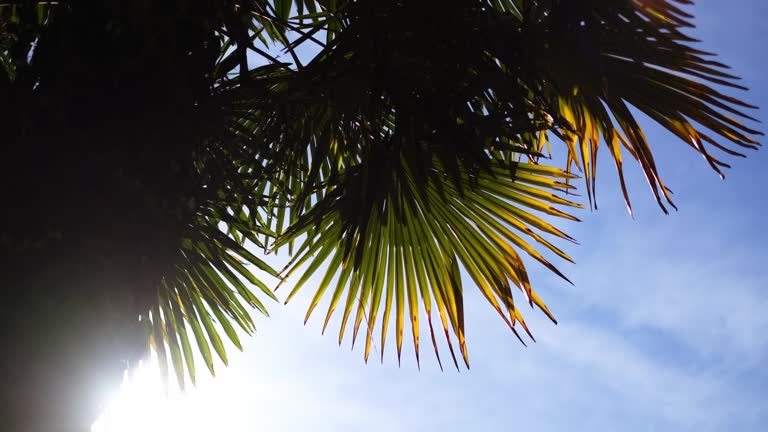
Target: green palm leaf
{"points": [[594, 60], [207, 296], [396, 175], [402, 172], [402, 156], [425, 232]]}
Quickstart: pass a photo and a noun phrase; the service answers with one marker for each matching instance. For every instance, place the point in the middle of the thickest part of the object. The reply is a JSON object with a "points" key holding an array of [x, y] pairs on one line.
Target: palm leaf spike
{"points": [[170, 334], [205, 293], [181, 330], [377, 288], [157, 341], [370, 272], [195, 324], [634, 52], [391, 271], [389, 260], [419, 254]]}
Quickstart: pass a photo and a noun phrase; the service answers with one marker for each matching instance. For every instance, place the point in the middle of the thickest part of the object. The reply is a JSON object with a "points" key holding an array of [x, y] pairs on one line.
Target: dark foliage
{"points": [[143, 148]]}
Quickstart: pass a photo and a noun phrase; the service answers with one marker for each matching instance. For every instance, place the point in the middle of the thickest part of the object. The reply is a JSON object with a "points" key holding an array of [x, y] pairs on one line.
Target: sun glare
{"points": [[142, 403]]}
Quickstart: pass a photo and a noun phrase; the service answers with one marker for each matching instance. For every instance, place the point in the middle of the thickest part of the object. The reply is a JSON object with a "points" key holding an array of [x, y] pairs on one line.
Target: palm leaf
{"points": [[207, 296], [595, 60], [400, 172], [423, 232], [395, 158]]}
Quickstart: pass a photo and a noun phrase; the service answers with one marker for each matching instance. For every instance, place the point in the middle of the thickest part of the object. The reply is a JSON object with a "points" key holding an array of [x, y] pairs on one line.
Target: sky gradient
{"points": [[665, 329]]}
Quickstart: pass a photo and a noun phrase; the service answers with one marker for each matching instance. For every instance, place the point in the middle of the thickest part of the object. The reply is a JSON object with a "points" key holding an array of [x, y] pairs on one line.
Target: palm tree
{"points": [[149, 147]]}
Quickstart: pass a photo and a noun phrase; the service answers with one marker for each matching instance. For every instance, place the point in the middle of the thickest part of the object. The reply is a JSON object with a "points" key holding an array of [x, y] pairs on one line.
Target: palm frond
{"points": [[384, 235], [594, 61], [207, 295], [396, 169], [404, 154]]}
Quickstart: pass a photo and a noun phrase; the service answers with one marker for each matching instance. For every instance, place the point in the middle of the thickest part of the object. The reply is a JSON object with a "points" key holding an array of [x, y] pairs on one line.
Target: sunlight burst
{"points": [[143, 403]]}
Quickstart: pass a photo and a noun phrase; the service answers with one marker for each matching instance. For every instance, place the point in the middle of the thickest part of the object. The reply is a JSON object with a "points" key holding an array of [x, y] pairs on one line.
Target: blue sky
{"points": [[665, 329]]}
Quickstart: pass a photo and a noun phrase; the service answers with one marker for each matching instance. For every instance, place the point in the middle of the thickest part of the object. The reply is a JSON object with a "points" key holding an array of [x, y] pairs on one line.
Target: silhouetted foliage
{"points": [[145, 144]]}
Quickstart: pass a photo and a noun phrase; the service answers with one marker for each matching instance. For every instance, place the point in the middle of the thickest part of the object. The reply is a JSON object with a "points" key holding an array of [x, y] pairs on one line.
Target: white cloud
{"points": [[687, 277]]}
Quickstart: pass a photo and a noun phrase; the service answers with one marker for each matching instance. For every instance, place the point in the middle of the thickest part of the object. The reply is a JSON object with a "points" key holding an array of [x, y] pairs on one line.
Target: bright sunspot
{"points": [[140, 404], [143, 404]]}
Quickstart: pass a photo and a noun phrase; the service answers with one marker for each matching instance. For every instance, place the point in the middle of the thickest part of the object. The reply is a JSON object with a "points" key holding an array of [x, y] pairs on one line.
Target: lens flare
{"points": [[143, 403]]}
